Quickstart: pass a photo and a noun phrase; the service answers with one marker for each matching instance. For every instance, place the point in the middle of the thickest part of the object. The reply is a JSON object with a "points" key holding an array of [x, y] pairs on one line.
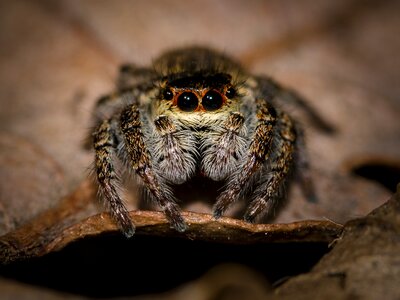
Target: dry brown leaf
{"points": [[58, 57], [62, 225]]}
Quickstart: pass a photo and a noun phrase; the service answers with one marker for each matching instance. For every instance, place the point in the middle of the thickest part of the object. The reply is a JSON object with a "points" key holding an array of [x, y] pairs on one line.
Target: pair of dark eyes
{"points": [[188, 101]]}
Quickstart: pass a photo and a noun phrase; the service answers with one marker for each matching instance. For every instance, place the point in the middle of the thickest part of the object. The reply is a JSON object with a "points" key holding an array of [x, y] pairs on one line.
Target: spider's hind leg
{"points": [[302, 167], [132, 75], [284, 97], [105, 108]]}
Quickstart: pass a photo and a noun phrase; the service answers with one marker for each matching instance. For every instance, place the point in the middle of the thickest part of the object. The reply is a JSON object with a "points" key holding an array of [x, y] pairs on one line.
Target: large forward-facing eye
{"points": [[187, 101], [212, 100]]}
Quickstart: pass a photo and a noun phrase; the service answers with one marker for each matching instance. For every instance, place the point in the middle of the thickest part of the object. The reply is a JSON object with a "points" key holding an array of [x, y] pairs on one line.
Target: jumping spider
{"points": [[197, 112]]}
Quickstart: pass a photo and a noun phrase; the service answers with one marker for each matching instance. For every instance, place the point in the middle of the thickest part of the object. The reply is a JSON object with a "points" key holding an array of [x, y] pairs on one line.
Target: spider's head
{"points": [[198, 92], [197, 82]]}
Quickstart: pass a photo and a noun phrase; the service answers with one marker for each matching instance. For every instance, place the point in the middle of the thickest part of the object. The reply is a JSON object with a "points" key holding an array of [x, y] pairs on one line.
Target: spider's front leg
{"points": [[139, 159], [280, 164], [268, 163], [257, 153], [105, 144], [286, 97]]}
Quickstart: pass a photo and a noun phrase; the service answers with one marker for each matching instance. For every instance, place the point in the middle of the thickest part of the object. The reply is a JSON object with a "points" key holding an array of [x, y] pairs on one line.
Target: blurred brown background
{"points": [[58, 57]]}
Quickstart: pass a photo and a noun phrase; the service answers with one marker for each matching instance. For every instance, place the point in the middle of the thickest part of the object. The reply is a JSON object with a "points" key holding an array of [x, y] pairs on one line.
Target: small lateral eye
{"points": [[212, 100], [230, 93], [187, 101], [168, 94]]}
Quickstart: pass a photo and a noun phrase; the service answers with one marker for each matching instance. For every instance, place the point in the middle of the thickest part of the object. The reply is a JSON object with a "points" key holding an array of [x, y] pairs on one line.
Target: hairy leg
{"points": [[108, 105], [302, 167], [269, 89], [104, 145], [141, 164], [130, 75], [272, 182], [105, 109], [258, 153]]}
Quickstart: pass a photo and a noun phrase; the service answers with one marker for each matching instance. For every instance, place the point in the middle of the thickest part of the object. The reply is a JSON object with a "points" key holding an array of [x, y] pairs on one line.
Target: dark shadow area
{"points": [[386, 174], [196, 189], [112, 266], [203, 190]]}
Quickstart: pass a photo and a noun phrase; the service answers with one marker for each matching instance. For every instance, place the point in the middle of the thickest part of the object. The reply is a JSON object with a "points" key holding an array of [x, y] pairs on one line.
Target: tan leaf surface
{"points": [[58, 57]]}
